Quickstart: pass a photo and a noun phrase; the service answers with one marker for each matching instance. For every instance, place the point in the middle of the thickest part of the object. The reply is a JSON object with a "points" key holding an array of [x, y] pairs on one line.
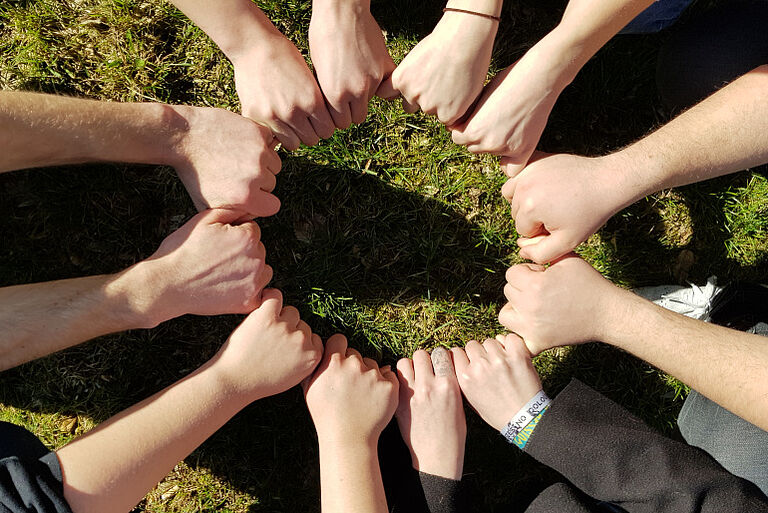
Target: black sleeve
{"points": [[443, 495], [612, 456], [30, 475], [561, 498]]}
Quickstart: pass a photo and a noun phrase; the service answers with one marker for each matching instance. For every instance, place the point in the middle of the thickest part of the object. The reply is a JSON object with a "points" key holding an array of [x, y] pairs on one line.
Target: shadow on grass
{"points": [[348, 234]]}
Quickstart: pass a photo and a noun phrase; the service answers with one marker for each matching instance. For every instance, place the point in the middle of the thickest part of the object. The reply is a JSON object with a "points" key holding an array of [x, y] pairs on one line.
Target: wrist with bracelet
{"points": [[465, 11], [519, 429]]}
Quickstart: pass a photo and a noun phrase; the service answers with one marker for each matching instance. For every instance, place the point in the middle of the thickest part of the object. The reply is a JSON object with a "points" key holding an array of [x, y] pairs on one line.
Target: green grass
{"points": [[388, 233]]}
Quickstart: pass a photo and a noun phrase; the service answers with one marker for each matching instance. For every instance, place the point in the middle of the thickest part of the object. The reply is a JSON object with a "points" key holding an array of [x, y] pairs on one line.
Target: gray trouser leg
{"points": [[740, 447]]}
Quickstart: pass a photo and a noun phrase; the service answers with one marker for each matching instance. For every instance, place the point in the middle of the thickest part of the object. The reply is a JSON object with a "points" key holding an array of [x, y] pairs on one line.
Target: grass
{"points": [[389, 233]]}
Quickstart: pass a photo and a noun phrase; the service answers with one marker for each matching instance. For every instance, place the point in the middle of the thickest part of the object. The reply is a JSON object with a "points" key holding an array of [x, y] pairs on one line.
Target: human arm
{"points": [[613, 456], [570, 303], [274, 83], [224, 160], [444, 74], [351, 400], [595, 444], [112, 467], [206, 267], [349, 55], [558, 201], [514, 107]]}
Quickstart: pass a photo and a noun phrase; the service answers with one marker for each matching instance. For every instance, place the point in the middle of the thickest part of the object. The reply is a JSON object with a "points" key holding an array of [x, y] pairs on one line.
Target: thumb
{"points": [[513, 167], [387, 90], [544, 248]]}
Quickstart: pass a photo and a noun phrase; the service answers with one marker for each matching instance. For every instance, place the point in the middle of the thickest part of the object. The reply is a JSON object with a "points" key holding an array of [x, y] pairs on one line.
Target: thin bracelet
{"points": [[451, 9]]}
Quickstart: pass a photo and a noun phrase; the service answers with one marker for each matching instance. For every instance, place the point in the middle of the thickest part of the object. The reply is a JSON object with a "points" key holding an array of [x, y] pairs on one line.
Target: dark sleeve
{"points": [[30, 475], [612, 456], [561, 498], [442, 495]]}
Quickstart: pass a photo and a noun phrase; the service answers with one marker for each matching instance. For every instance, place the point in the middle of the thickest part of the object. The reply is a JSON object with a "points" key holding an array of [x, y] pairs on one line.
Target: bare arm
{"points": [[272, 78], [207, 267], [558, 201], [723, 134], [569, 302], [43, 318], [725, 365], [112, 467], [513, 109], [350, 400], [38, 130]]}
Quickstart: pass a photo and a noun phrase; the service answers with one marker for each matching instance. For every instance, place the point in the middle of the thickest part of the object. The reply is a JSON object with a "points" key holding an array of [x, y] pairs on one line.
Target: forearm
{"points": [[727, 366], [612, 456], [234, 25], [723, 134], [112, 467], [43, 318], [39, 130], [585, 27], [350, 478]]}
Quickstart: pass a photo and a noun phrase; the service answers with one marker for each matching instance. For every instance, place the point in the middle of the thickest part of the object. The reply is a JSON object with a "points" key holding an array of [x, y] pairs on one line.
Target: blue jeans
{"points": [[657, 16]]}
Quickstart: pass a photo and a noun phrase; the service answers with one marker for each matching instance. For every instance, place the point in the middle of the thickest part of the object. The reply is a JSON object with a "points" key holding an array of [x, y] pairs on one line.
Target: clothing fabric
{"points": [[30, 475], [708, 51], [739, 446], [656, 17], [614, 462], [611, 456]]}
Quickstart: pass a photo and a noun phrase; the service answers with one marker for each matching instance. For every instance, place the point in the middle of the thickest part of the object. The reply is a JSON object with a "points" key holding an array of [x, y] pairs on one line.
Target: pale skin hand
{"points": [[444, 74], [570, 303], [277, 89], [558, 201], [497, 377], [556, 306], [112, 467], [351, 400], [514, 107], [350, 57], [271, 351], [430, 413], [224, 160], [227, 161], [209, 267], [273, 82]]}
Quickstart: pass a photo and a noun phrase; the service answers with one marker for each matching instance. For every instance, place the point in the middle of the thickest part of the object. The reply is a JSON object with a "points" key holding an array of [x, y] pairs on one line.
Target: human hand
{"points": [[514, 107], [497, 377], [558, 201], [350, 58], [271, 351], [567, 303], [208, 267], [276, 89], [430, 413], [348, 396], [444, 74], [226, 161]]}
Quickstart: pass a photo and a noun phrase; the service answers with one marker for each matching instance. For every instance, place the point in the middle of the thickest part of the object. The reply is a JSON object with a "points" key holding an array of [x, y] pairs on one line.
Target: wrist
{"points": [[562, 54], [339, 445], [614, 181], [617, 309], [136, 297]]}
